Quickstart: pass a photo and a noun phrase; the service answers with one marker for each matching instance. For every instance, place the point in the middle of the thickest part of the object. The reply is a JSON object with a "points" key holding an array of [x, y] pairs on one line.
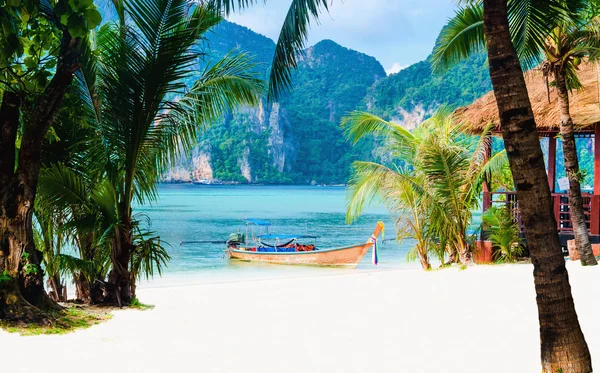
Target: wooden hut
{"points": [[585, 111]]}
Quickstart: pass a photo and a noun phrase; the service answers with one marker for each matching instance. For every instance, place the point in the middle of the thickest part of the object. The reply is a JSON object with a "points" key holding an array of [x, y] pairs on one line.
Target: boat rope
{"points": [[181, 243]]}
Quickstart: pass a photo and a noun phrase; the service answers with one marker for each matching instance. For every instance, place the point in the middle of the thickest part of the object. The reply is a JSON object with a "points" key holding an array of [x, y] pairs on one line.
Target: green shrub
{"points": [[504, 232]]}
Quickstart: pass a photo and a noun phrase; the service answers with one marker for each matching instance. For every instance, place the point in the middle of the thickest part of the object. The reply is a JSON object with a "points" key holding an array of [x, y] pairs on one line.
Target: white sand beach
{"points": [[483, 319]]}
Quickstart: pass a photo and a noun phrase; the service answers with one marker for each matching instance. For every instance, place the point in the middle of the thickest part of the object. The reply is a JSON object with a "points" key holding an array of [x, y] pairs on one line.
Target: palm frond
{"points": [[227, 84], [230, 6], [369, 180], [461, 37], [61, 187], [69, 264], [358, 125], [530, 22], [149, 255], [291, 43], [85, 80]]}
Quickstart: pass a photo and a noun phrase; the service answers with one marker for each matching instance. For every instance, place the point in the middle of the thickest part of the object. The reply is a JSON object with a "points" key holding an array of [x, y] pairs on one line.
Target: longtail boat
{"points": [[285, 249]]}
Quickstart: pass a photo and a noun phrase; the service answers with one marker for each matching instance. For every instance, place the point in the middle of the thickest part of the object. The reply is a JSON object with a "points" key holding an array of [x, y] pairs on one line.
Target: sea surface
{"points": [[196, 220]]}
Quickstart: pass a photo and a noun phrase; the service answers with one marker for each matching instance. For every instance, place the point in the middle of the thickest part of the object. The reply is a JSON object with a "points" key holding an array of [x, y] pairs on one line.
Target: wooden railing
{"points": [[561, 208]]}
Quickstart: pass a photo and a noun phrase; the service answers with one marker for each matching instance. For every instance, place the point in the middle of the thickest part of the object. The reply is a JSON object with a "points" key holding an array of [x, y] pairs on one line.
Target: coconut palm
{"points": [[563, 346], [145, 115], [562, 43], [401, 193], [504, 232], [88, 216], [439, 186], [49, 241], [567, 45]]}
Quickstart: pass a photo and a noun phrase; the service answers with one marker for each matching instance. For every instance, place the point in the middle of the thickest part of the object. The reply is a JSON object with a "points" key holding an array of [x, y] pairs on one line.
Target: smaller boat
{"points": [[286, 249]]}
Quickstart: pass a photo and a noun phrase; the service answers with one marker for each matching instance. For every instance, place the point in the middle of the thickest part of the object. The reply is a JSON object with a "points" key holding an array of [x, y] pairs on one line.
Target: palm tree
{"points": [[567, 45], [49, 241], [439, 186], [88, 219], [401, 193], [504, 232], [563, 346], [561, 47], [144, 113]]}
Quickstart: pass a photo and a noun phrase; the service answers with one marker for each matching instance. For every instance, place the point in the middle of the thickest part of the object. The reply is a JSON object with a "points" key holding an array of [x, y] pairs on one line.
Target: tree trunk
{"points": [[58, 292], [9, 123], [423, 258], [132, 284], [82, 288], [17, 195], [563, 346], [580, 229], [14, 308], [15, 213], [452, 255], [119, 276], [464, 252]]}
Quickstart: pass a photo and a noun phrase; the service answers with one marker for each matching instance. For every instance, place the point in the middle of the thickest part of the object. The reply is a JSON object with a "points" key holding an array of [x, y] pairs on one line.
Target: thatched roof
{"points": [[585, 104]]}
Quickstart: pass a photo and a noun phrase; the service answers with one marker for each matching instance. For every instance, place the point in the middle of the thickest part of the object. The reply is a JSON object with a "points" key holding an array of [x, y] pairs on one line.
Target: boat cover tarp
{"points": [[274, 236], [274, 250]]}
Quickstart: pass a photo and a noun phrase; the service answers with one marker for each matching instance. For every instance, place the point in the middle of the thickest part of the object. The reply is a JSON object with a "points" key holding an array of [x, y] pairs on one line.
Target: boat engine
{"points": [[236, 239]]}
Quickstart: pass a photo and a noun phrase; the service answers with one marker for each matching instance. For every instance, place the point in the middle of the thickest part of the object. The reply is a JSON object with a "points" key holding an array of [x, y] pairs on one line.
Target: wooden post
{"points": [[595, 203], [487, 196], [552, 161]]}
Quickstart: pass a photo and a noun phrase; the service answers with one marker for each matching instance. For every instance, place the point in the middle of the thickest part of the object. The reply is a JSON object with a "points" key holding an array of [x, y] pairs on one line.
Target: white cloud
{"points": [[396, 66]]}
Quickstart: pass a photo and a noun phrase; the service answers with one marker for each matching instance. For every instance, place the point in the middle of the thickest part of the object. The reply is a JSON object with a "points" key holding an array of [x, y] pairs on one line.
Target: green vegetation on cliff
{"points": [[417, 85], [299, 139]]}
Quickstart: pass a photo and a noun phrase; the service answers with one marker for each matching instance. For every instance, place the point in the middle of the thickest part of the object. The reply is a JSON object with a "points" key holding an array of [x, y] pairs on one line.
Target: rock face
{"points": [[201, 167], [196, 168], [286, 141], [280, 146], [245, 166]]}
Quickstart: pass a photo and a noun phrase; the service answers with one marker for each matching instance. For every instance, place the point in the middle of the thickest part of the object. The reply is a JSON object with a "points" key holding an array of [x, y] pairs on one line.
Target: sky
{"points": [[396, 32]]}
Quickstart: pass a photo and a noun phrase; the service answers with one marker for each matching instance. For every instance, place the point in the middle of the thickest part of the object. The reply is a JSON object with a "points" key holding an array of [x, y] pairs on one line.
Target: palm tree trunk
{"points": [[58, 289], [563, 346], [119, 276], [82, 288], [580, 230], [423, 258], [464, 252]]}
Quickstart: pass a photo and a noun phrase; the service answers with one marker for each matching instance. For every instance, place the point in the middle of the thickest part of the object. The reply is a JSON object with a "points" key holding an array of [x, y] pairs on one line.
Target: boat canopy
{"points": [[261, 223], [273, 236]]}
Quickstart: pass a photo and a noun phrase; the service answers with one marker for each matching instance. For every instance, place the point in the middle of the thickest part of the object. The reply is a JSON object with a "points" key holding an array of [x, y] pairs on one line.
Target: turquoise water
{"points": [[191, 213]]}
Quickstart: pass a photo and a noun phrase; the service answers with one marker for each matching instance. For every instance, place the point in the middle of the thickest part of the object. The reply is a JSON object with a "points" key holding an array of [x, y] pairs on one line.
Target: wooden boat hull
{"points": [[340, 257]]}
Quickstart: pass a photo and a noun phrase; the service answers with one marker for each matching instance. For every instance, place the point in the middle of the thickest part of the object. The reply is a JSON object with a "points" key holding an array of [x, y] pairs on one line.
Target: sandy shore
{"points": [[483, 319]]}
